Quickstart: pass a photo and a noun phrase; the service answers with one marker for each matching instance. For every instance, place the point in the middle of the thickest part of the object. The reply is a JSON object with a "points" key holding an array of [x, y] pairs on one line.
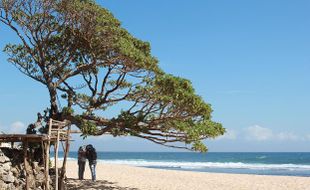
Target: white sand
{"points": [[122, 177]]}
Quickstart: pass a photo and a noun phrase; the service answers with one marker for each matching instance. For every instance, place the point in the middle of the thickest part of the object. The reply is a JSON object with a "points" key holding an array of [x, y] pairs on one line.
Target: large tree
{"points": [[80, 52]]}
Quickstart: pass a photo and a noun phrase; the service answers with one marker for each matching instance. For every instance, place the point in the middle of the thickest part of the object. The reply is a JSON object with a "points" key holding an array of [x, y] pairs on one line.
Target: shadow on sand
{"points": [[73, 184]]}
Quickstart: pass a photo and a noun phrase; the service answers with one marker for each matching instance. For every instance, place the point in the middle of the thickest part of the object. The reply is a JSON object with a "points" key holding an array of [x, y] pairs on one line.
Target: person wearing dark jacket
{"points": [[91, 155], [81, 161]]}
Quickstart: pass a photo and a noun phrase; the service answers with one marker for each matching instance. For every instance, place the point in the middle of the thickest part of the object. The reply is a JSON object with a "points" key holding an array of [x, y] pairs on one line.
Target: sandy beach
{"points": [[122, 177]]}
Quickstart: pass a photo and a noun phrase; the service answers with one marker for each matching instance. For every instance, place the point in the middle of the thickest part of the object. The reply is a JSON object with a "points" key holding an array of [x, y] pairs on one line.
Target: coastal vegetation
{"points": [[79, 51]]}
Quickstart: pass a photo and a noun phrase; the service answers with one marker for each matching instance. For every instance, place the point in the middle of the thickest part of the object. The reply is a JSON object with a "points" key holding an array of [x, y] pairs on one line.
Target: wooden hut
{"points": [[59, 132]]}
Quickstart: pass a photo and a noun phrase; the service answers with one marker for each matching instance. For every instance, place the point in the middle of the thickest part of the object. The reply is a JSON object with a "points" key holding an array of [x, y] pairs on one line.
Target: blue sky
{"points": [[249, 59]]}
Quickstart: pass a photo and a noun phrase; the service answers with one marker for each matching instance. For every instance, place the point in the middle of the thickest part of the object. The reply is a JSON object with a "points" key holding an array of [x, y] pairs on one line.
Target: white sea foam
{"points": [[261, 157], [205, 165], [61, 159]]}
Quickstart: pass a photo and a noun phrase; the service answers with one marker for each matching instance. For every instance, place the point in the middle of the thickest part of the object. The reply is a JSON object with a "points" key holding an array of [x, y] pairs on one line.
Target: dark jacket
{"points": [[91, 154]]}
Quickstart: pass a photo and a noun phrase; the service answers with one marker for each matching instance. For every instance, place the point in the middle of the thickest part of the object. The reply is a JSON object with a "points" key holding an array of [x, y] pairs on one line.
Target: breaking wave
{"points": [[205, 165]]}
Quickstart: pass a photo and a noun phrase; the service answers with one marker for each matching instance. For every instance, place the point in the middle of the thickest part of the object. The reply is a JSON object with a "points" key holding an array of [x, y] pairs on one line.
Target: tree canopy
{"points": [[80, 52]]}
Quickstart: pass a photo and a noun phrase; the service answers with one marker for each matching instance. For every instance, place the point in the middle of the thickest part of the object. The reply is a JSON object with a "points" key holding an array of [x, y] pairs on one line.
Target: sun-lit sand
{"points": [[121, 177]]}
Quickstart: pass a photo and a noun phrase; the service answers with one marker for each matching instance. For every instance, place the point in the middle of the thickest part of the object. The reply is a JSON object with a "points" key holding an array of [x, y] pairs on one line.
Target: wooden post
{"points": [[43, 146], [46, 168], [25, 147], [56, 159], [64, 164], [47, 157], [43, 152]]}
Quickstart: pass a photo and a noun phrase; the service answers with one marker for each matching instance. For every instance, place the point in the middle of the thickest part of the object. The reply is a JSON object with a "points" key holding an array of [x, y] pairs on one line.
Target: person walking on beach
{"points": [[81, 161], [91, 155]]}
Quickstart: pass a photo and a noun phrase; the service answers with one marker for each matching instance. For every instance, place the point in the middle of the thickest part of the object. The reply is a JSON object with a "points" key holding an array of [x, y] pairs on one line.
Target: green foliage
{"points": [[199, 146], [67, 111], [180, 92], [87, 128], [78, 49]]}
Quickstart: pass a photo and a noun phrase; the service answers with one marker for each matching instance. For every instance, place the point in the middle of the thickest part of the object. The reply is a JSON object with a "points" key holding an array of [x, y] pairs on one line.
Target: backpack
{"points": [[91, 153]]}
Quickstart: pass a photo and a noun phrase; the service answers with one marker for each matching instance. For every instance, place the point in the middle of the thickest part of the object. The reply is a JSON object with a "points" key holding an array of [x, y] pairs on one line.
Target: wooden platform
{"points": [[22, 138], [27, 137]]}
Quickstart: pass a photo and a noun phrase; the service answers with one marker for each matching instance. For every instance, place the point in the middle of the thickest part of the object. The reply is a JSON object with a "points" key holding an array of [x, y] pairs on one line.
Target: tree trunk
{"points": [[53, 101]]}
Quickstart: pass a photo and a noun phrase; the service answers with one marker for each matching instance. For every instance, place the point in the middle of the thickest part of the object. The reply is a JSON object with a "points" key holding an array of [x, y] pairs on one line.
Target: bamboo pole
{"points": [[47, 163], [64, 164], [25, 147], [47, 157], [43, 152], [44, 162], [56, 160]]}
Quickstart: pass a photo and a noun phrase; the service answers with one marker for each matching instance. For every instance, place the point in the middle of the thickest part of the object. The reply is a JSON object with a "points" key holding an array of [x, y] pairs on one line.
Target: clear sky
{"points": [[249, 59]]}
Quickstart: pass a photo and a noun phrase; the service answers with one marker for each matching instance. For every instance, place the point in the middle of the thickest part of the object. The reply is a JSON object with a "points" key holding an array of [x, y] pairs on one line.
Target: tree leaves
{"points": [[78, 49]]}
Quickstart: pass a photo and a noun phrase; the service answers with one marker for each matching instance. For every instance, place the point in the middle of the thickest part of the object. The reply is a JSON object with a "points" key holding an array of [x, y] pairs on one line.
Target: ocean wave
{"points": [[61, 159], [205, 165], [261, 157]]}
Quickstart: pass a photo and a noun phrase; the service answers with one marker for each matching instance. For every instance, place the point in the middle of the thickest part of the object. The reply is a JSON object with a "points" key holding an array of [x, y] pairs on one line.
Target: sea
{"points": [[260, 163]]}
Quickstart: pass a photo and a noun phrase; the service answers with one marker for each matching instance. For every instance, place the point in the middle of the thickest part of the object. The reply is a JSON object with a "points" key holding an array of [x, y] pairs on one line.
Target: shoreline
{"points": [[124, 177], [279, 164]]}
